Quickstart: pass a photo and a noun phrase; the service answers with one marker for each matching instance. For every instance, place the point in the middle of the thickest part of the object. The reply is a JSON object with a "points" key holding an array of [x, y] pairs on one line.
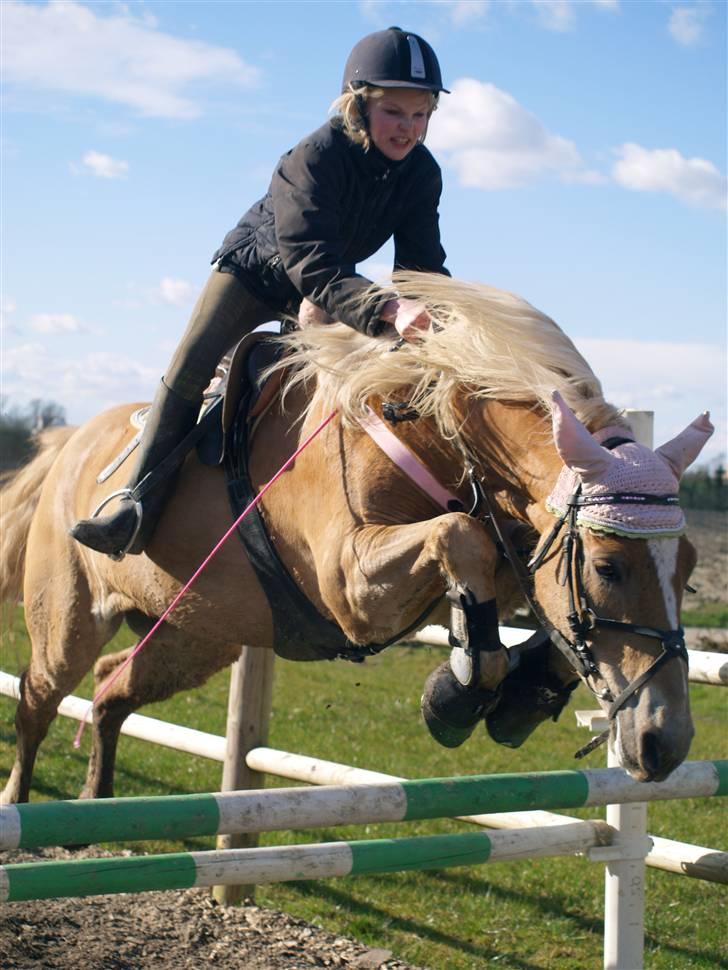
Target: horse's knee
{"points": [[464, 552]]}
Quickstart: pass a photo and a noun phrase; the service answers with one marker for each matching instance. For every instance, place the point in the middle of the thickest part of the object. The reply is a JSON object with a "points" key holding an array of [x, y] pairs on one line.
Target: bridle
{"points": [[581, 616]]}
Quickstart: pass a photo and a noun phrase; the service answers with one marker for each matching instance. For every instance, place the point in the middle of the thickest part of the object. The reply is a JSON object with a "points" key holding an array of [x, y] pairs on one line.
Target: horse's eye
{"points": [[607, 570]]}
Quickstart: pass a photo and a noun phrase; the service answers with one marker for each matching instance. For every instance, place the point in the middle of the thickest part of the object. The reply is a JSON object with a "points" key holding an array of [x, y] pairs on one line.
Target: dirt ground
{"points": [[708, 531], [180, 930], [167, 931]]}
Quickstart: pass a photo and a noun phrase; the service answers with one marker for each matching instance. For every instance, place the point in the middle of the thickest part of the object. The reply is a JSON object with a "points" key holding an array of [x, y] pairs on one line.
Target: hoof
{"points": [[523, 706], [451, 711]]}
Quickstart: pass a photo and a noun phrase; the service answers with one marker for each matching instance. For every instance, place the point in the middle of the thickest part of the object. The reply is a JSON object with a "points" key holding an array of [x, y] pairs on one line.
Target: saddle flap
{"points": [[253, 354]]}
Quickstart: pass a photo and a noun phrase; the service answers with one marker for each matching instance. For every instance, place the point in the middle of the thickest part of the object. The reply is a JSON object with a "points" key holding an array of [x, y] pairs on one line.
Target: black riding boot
{"points": [[170, 419]]}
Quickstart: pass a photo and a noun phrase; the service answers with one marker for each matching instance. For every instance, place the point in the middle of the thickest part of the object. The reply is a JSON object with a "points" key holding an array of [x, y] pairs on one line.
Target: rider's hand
{"points": [[408, 316], [309, 313]]}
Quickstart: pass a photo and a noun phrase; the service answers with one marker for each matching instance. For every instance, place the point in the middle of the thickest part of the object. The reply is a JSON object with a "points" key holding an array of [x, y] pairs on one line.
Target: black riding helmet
{"points": [[393, 58]]}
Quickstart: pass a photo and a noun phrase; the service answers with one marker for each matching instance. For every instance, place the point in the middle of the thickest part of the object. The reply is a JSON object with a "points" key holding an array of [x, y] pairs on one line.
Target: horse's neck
{"points": [[511, 446], [517, 455]]}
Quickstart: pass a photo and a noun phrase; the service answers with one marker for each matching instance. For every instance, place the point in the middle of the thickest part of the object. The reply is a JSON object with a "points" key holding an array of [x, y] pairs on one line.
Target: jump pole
{"points": [[249, 812], [184, 870]]}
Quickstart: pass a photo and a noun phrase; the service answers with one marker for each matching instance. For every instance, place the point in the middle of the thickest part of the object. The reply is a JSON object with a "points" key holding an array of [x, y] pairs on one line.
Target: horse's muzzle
{"points": [[655, 752]]}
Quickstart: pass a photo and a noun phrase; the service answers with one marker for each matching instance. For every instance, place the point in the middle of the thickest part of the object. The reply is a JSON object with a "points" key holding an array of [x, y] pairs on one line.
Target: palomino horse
{"points": [[372, 551]]}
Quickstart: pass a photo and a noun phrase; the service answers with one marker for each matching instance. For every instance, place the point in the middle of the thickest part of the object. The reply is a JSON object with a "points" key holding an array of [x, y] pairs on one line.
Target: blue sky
{"points": [[583, 151]]}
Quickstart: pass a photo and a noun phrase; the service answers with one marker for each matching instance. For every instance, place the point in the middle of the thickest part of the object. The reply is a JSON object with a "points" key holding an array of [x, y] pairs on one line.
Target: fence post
{"points": [[249, 704], [624, 880]]}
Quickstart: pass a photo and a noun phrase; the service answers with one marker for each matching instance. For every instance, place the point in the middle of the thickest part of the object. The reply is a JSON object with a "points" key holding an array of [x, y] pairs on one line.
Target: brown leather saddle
{"points": [[240, 378]]}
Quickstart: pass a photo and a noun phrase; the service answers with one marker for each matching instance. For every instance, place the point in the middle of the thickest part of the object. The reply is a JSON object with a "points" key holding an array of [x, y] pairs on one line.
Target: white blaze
{"points": [[664, 556]]}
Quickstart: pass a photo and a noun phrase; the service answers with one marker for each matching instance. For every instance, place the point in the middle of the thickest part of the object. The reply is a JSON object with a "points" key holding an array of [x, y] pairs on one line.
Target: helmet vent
{"points": [[417, 61]]}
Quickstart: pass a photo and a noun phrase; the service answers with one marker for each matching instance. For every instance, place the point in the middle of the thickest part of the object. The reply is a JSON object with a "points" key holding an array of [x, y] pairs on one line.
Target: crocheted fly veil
{"points": [[624, 476]]}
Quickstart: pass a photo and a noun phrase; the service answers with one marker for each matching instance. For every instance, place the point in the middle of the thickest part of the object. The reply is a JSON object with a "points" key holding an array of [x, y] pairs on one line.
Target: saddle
{"points": [[239, 377]]}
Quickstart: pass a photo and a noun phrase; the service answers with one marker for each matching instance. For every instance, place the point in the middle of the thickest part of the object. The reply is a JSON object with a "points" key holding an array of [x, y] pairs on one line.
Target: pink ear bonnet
{"points": [[627, 469]]}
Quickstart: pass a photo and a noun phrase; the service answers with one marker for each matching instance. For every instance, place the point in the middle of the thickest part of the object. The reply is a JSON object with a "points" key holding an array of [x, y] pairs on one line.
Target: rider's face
{"points": [[398, 120]]}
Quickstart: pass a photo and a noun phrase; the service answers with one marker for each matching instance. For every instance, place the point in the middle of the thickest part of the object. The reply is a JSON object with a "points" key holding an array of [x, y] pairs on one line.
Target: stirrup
{"points": [[123, 493]]}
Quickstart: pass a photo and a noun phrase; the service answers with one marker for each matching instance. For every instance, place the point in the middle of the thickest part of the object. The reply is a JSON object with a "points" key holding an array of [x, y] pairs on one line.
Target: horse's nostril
{"points": [[651, 760]]}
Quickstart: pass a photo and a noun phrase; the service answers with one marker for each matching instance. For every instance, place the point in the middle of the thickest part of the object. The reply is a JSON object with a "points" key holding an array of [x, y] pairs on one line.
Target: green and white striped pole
{"points": [[183, 816], [183, 870]]}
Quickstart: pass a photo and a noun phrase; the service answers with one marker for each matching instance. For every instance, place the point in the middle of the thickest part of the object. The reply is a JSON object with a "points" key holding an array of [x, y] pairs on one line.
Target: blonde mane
{"points": [[486, 342]]}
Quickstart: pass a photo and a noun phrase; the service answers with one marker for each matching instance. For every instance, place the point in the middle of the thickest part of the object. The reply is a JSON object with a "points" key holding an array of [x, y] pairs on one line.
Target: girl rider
{"points": [[334, 200]]}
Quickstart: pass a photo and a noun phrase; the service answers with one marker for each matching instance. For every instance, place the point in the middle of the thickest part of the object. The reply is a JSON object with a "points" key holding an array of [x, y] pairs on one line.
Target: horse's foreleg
{"points": [[36, 710], [65, 644], [391, 573], [170, 662]]}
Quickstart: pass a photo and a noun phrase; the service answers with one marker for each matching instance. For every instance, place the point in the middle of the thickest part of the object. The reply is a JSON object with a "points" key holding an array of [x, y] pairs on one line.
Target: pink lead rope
{"points": [[142, 643]]}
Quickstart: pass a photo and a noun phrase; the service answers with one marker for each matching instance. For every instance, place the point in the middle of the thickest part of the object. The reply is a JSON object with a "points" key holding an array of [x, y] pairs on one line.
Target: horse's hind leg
{"points": [[170, 662]]}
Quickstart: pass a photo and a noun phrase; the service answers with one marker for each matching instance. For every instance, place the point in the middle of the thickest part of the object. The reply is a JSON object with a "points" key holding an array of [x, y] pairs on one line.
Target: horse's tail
{"points": [[19, 495]]}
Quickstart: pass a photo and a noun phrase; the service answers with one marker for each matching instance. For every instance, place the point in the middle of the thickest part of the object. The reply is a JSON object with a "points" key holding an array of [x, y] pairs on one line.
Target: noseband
{"points": [[582, 618]]}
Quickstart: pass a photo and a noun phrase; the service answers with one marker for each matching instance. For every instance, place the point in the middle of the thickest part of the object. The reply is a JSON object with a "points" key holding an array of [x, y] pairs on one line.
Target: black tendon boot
{"points": [[130, 527]]}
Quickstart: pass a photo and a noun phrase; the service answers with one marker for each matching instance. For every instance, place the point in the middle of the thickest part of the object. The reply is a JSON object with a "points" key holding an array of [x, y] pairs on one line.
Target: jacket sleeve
{"points": [[417, 238], [306, 189]]}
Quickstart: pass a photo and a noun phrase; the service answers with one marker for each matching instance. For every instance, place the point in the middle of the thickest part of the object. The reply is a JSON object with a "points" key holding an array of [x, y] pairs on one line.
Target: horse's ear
{"points": [[681, 451], [576, 446]]}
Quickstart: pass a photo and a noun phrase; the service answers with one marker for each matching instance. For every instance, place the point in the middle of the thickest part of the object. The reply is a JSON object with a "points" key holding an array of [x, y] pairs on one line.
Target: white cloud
{"points": [[493, 142], [675, 380], [695, 181], [555, 14], [686, 24], [55, 323], [65, 46], [84, 385], [462, 12], [176, 292], [104, 166], [560, 15]]}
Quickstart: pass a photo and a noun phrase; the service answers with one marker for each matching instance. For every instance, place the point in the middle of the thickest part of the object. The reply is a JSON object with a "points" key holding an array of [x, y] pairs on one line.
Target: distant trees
{"points": [[18, 426], [704, 489]]}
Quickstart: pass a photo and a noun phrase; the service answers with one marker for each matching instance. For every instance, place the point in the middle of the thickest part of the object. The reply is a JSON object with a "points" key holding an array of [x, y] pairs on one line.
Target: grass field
{"points": [[533, 914]]}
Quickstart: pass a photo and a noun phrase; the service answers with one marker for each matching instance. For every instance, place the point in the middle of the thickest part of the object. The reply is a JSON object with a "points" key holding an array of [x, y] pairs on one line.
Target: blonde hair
{"points": [[347, 114]]}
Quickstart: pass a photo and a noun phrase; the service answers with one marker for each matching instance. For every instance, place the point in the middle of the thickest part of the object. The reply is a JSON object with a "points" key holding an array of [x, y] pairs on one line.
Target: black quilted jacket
{"points": [[331, 205]]}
